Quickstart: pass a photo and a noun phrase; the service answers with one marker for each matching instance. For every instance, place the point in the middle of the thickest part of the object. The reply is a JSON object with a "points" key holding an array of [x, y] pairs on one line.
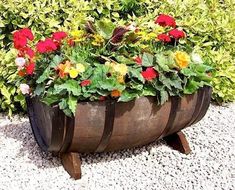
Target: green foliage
{"points": [[210, 26], [89, 70], [10, 98]]}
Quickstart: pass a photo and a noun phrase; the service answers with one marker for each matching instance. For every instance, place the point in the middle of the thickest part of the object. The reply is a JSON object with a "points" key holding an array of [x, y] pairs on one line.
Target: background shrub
{"points": [[209, 24]]}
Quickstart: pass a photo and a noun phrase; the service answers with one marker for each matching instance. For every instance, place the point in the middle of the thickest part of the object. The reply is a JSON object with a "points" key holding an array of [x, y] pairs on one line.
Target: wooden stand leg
{"points": [[178, 142], [72, 164]]}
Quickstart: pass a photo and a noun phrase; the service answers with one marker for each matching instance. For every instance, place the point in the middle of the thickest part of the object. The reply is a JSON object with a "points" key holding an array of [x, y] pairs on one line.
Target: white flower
{"points": [[24, 88], [196, 58], [20, 62]]}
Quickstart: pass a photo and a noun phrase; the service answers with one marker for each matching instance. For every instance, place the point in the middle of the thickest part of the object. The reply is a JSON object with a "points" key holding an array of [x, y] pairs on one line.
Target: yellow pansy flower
{"points": [[98, 40], [73, 73], [80, 67], [182, 59], [120, 79], [121, 69], [78, 35]]}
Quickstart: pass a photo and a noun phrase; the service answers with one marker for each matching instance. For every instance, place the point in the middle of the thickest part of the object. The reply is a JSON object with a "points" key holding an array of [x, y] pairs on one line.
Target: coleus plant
{"points": [[106, 61]]}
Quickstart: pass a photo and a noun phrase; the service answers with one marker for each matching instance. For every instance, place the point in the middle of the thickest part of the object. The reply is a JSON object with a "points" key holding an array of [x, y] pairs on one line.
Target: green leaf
{"points": [[148, 91], [163, 96], [63, 104], [165, 81], [136, 73], [71, 86], [5, 93], [45, 75], [55, 61], [147, 60], [39, 89], [127, 96], [110, 84], [105, 28], [162, 62], [124, 60], [188, 72], [50, 99], [72, 103], [19, 98], [191, 87]]}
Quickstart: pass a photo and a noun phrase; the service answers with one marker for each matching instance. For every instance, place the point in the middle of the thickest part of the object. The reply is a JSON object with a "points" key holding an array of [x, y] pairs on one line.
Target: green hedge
{"points": [[210, 26]]}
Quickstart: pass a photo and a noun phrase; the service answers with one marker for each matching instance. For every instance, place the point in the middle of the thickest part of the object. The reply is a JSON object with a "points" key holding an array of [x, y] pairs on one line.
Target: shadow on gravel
{"points": [[21, 131]]}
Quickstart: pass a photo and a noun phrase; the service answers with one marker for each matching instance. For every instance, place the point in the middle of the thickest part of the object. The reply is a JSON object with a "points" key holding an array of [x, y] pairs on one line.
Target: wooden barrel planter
{"points": [[110, 125]]}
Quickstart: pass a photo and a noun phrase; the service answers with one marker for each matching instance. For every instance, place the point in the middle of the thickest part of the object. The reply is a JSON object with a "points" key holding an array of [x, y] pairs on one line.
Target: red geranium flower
{"points": [[165, 20], [138, 60], [149, 74], [46, 46], [85, 83], [29, 52], [26, 32], [30, 68], [20, 37], [177, 34], [59, 36], [20, 41], [164, 38]]}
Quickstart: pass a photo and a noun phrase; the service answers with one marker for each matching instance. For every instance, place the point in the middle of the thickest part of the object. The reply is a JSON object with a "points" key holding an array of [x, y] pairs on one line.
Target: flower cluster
{"points": [[173, 34], [25, 60], [107, 61]]}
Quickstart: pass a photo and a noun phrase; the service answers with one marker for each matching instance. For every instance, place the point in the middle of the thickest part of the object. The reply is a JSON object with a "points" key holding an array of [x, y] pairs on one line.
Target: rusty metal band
{"points": [[198, 107], [205, 104], [175, 101], [68, 133], [57, 129], [108, 126]]}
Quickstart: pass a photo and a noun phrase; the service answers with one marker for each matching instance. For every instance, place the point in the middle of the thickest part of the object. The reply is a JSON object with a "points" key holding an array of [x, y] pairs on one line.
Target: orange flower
{"points": [[115, 93], [64, 69], [21, 73]]}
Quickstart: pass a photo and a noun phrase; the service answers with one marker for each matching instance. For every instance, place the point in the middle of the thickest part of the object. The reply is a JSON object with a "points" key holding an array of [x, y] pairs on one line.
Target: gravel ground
{"points": [[210, 166]]}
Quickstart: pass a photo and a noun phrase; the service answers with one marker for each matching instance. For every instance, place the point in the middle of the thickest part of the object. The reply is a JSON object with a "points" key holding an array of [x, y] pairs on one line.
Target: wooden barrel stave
{"points": [[142, 124], [135, 123]]}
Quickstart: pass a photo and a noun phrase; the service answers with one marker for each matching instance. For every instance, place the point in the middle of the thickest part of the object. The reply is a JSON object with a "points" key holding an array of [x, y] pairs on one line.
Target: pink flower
{"points": [[165, 20], [85, 83], [24, 88], [138, 60], [177, 34], [29, 52], [59, 36], [164, 38], [20, 62], [149, 74]]}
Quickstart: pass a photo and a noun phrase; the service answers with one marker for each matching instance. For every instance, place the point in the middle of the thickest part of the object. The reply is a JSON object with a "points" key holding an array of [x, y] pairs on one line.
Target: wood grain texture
{"points": [[72, 164], [178, 142], [97, 128]]}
